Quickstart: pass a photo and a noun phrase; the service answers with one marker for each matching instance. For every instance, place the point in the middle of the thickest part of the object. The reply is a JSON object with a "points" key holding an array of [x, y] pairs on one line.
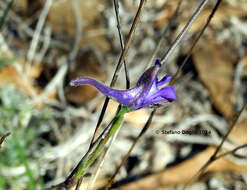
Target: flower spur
{"points": [[145, 94]]}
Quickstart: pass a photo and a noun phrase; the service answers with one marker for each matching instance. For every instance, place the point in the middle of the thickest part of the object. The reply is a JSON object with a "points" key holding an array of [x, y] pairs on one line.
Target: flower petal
{"points": [[168, 93], [149, 75], [155, 102], [160, 98], [164, 80], [148, 82], [125, 97]]}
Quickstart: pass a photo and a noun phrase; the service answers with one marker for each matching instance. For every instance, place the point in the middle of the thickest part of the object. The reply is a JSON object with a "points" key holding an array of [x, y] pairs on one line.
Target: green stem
{"points": [[96, 149], [2, 183]]}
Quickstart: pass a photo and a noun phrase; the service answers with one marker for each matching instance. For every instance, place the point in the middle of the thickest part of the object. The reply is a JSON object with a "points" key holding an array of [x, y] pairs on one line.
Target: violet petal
{"points": [[164, 80], [122, 96]]}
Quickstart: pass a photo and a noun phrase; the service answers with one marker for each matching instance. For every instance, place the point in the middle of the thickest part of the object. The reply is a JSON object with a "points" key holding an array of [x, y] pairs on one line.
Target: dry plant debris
{"points": [[214, 64], [215, 74], [62, 22], [183, 172]]}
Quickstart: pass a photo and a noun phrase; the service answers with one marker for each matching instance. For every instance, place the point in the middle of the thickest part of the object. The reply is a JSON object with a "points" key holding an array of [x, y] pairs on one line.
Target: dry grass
{"points": [[45, 44]]}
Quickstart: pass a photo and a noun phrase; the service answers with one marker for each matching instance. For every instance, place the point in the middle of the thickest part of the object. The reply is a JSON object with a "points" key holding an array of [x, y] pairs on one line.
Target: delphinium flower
{"points": [[148, 92]]}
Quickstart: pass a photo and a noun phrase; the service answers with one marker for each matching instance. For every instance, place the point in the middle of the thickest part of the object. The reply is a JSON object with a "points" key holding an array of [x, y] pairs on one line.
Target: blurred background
{"points": [[45, 44]]}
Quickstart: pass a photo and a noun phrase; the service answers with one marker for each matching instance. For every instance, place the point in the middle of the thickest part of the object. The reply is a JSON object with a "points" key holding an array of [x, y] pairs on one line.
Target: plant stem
{"points": [[96, 149], [165, 57], [2, 183]]}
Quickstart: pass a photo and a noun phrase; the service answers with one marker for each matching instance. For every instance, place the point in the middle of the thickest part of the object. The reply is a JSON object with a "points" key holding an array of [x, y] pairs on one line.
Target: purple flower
{"points": [[146, 93]]}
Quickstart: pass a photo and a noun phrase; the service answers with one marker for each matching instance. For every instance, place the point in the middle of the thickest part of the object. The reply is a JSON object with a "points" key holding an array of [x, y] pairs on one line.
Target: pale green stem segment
{"points": [[96, 149]]}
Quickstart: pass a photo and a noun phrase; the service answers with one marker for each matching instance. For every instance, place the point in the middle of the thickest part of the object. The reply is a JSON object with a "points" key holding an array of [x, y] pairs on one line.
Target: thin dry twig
{"points": [[78, 21], [230, 152], [36, 35], [78, 185], [46, 44], [116, 8], [22, 26], [53, 84], [195, 42], [3, 138], [230, 129], [214, 156], [165, 33], [175, 43], [59, 77]]}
